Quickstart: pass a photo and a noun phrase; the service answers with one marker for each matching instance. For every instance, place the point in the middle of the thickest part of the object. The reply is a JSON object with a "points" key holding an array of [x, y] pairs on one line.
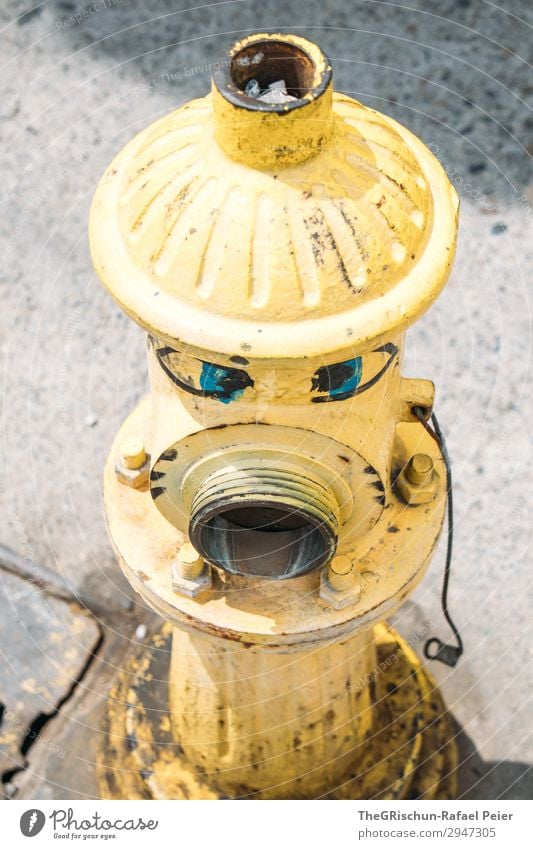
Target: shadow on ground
{"points": [[479, 779]]}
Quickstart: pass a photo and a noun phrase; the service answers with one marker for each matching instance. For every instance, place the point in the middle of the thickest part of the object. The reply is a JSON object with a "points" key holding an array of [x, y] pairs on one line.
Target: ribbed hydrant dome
{"points": [[209, 233]]}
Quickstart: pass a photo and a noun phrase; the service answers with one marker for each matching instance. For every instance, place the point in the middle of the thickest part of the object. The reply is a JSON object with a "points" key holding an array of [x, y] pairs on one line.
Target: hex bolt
{"points": [[417, 483], [341, 574], [190, 563], [419, 469], [132, 453], [191, 575], [339, 586], [132, 465]]}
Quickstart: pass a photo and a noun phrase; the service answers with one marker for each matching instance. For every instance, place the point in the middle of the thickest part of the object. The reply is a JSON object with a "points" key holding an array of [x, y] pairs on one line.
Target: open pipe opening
{"points": [[263, 541], [259, 518], [270, 62]]}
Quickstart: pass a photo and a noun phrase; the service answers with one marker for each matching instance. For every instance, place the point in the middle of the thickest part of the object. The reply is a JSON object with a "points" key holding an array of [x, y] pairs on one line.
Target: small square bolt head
{"points": [[417, 482], [191, 575], [339, 586], [132, 466]]}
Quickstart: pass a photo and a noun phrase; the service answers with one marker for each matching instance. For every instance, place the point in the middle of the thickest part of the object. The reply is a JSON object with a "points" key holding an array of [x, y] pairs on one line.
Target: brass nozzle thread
{"points": [[266, 497]]}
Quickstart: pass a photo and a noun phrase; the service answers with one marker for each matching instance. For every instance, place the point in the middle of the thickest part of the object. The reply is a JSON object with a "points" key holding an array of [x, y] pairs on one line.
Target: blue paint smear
{"points": [[352, 381], [215, 379]]}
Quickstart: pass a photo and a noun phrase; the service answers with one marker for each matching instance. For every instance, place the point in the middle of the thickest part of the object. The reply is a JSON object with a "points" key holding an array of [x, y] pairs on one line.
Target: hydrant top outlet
{"points": [[274, 218], [265, 77]]}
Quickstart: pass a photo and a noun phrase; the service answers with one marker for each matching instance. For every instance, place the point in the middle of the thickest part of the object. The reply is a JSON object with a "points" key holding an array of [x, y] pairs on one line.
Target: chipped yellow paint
{"points": [[206, 248], [408, 751], [396, 552], [277, 243], [276, 139]]}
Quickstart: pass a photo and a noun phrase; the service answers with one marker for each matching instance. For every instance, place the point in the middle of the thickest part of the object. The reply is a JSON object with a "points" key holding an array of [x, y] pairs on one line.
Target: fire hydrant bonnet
{"points": [[274, 230]]}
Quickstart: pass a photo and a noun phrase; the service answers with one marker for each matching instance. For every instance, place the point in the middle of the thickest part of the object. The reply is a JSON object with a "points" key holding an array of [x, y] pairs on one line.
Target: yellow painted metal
{"points": [[273, 139], [341, 573], [275, 256], [342, 250], [420, 469], [132, 453], [390, 560], [190, 563], [408, 751]]}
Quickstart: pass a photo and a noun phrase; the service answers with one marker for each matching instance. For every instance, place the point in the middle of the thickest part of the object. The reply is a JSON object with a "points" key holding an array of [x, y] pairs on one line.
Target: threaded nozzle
{"points": [[265, 521]]}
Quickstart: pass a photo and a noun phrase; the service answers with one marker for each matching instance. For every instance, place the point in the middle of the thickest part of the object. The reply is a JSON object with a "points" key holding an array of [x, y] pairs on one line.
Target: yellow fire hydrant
{"points": [[276, 496]]}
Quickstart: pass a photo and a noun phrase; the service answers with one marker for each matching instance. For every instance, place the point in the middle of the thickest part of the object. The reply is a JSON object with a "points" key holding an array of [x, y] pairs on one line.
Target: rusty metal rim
{"points": [[223, 79]]}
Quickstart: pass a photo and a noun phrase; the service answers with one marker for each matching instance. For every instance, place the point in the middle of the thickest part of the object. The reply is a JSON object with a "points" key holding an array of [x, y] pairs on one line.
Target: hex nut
{"points": [[132, 466], [418, 480]]}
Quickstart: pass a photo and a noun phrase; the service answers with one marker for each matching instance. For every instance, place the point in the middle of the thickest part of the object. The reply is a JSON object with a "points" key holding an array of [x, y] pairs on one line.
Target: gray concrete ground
{"points": [[456, 73]]}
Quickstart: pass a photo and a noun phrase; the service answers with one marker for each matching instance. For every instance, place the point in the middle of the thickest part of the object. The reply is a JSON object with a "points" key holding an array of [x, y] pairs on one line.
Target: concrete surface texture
{"points": [[79, 79]]}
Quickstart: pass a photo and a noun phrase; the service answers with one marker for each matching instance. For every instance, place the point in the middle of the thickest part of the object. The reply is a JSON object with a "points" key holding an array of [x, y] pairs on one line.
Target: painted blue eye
{"points": [[197, 377], [339, 380], [224, 384], [343, 380]]}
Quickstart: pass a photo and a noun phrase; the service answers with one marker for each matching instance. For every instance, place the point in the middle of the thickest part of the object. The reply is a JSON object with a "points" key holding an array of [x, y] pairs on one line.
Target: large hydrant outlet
{"points": [[275, 239]]}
